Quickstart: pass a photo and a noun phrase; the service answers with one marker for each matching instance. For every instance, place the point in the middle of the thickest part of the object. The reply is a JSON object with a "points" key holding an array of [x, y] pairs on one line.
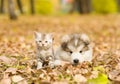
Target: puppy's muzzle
{"points": [[76, 61], [76, 58]]}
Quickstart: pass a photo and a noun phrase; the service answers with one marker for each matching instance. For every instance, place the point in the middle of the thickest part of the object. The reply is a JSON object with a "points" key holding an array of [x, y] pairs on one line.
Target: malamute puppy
{"points": [[75, 48]]}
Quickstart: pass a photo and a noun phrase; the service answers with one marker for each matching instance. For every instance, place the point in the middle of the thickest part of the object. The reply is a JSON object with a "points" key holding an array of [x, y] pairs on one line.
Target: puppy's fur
{"points": [[75, 48]]}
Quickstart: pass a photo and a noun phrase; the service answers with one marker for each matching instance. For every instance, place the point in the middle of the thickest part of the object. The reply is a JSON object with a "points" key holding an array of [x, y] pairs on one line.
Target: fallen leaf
{"points": [[11, 70], [64, 82], [114, 75], [5, 59], [23, 82], [6, 81], [101, 79], [79, 78], [17, 78]]}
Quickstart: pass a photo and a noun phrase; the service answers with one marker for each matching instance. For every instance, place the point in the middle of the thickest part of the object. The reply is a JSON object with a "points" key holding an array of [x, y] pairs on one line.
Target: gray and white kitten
{"points": [[44, 53]]}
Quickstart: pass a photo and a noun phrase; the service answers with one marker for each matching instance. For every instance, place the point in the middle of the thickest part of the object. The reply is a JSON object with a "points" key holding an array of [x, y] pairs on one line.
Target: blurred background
{"points": [[99, 19], [14, 8]]}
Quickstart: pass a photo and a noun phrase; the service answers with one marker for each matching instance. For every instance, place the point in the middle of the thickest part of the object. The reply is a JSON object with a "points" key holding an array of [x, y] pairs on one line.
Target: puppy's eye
{"points": [[80, 51], [53, 39], [71, 52], [46, 41], [40, 41]]}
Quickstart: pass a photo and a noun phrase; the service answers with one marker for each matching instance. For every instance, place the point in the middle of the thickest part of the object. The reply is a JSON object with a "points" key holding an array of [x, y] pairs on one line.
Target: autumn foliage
{"points": [[17, 50]]}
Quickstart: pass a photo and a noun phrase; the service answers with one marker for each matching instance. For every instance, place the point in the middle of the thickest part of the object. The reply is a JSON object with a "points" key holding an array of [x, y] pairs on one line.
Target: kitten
{"points": [[44, 44]]}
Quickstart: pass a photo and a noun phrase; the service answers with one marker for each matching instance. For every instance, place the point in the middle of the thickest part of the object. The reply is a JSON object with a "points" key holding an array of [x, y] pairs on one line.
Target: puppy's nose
{"points": [[42, 44], [76, 61]]}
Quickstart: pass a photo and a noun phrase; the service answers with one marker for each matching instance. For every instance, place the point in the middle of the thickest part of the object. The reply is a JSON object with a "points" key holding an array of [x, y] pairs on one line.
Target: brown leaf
{"points": [[94, 74], [5, 59], [79, 78], [22, 82], [5, 81], [17, 78], [118, 66], [114, 75], [44, 82], [62, 82], [11, 70]]}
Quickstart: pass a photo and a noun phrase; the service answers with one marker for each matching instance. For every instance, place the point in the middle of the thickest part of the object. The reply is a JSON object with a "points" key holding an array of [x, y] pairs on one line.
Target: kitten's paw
{"points": [[51, 64], [39, 65]]}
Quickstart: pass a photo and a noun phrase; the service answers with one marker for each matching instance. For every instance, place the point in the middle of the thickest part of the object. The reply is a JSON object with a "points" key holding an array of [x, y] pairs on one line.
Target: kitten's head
{"points": [[43, 40]]}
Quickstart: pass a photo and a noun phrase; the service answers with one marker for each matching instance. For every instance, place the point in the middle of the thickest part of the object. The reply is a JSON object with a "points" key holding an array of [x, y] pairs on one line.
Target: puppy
{"points": [[75, 49]]}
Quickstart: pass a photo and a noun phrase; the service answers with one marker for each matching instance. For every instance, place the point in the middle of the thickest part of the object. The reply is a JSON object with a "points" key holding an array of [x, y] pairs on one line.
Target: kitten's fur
{"points": [[44, 44]]}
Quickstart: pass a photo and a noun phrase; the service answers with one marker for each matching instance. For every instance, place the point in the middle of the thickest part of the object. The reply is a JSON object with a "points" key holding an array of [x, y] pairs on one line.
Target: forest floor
{"points": [[17, 49]]}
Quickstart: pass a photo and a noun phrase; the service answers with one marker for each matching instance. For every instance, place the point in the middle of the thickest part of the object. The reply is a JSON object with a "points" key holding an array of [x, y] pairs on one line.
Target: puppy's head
{"points": [[75, 45]]}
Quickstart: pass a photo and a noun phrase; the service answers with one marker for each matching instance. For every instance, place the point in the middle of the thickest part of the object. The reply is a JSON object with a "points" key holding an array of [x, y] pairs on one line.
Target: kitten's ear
{"points": [[36, 34], [51, 35], [85, 38], [65, 39]]}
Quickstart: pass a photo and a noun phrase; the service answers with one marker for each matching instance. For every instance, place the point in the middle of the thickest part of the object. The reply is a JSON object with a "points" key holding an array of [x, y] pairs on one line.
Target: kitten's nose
{"points": [[76, 61], [42, 44]]}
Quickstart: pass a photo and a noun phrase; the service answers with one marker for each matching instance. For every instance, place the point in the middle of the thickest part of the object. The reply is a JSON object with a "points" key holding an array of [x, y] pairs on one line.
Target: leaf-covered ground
{"points": [[17, 50]]}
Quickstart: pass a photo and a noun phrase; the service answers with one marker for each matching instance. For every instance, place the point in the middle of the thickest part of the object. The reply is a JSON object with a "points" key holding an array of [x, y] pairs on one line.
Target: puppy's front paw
{"points": [[57, 62]]}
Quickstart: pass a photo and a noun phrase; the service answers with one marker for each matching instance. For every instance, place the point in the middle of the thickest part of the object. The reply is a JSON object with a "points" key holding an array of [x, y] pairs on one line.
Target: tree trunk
{"points": [[2, 6], [118, 5], [84, 6], [89, 4], [20, 6], [32, 6], [11, 8]]}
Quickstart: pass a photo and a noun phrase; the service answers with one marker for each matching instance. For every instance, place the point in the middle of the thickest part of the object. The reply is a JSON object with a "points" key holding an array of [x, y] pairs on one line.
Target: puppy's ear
{"points": [[85, 38], [64, 45], [65, 39], [91, 45]]}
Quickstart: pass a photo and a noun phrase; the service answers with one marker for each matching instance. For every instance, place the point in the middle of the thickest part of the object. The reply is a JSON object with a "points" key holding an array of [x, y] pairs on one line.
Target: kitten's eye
{"points": [[71, 52], [80, 51], [40, 41], [46, 41]]}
